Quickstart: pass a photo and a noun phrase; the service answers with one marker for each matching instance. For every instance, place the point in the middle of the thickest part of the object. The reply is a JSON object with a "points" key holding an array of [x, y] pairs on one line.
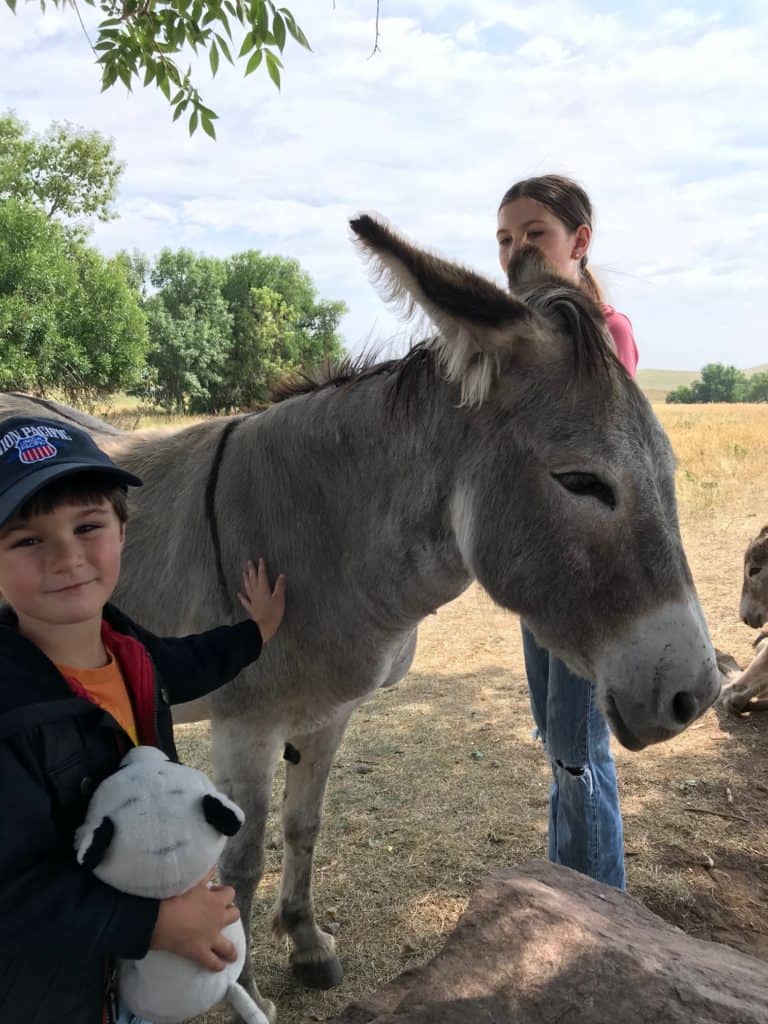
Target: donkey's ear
{"points": [[477, 321], [92, 843], [222, 814]]}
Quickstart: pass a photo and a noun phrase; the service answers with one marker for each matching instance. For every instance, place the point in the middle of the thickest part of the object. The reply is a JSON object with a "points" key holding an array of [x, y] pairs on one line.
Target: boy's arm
{"points": [[49, 906], [192, 666]]}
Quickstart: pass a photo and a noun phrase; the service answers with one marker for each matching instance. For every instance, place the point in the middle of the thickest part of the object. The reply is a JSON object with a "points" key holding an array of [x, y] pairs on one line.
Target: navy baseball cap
{"points": [[33, 452]]}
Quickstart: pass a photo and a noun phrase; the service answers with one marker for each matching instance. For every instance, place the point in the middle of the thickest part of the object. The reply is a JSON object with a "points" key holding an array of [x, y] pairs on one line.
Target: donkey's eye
{"points": [[587, 485], [754, 569]]}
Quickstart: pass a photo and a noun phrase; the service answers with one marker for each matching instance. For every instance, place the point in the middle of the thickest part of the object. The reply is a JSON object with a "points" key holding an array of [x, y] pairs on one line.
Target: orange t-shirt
{"points": [[107, 688]]}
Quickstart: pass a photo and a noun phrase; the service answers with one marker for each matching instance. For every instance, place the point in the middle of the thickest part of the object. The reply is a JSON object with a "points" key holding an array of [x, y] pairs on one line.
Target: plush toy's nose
{"points": [[219, 816]]}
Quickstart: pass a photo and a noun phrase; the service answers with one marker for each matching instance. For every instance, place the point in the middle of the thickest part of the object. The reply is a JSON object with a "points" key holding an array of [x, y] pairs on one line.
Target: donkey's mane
{"points": [[417, 373], [580, 318], [355, 369], [534, 280]]}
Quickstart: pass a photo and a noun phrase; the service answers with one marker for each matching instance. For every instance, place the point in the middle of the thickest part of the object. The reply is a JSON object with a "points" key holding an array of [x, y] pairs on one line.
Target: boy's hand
{"points": [[264, 605], [190, 925]]}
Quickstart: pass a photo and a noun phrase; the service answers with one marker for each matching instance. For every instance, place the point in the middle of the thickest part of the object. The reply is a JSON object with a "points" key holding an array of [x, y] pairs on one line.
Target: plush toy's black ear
{"points": [[102, 837], [221, 817]]}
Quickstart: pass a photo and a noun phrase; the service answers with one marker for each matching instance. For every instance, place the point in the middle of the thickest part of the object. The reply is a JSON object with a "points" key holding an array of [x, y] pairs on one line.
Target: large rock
{"points": [[545, 945]]}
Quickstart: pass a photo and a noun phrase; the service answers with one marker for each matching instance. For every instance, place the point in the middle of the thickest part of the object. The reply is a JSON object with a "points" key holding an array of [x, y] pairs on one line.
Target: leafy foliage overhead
{"points": [[141, 40]]}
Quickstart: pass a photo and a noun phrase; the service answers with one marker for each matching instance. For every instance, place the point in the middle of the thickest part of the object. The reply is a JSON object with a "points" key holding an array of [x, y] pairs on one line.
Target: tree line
{"points": [[188, 332], [720, 383]]}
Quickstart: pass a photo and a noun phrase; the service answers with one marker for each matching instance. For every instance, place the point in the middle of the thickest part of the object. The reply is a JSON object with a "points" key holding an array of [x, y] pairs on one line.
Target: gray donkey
{"points": [[510, 447]]}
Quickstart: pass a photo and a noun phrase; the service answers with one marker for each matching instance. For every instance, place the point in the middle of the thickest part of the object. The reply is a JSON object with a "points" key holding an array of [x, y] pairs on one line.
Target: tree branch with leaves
{"points": [[141, 40]]}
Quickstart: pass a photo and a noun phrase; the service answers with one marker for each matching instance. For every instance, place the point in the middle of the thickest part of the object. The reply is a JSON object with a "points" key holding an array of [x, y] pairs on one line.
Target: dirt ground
{"points": [[439, 781]]}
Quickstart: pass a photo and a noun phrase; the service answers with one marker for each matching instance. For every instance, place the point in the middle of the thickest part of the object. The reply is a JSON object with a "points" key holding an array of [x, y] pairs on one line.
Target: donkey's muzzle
{"points": [[660, 677]]}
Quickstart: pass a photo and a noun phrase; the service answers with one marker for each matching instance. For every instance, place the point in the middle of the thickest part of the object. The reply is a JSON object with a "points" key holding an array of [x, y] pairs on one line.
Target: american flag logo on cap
{"points": [[35, 449]]}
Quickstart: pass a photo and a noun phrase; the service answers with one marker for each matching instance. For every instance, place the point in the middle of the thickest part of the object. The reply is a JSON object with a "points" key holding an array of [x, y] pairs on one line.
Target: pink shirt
{"points": [[623, 338]]}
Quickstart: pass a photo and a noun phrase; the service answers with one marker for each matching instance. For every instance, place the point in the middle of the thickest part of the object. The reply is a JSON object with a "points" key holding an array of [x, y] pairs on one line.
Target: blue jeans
{"points": [[585, 827]]}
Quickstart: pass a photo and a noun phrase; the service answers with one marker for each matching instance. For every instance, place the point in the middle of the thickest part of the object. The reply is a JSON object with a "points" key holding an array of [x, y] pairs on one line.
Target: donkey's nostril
{"points": [[684, 708]]}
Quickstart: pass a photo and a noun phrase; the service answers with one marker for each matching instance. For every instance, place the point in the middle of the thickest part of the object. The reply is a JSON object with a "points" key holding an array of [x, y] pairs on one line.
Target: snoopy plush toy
{"points": [[155, 829]]}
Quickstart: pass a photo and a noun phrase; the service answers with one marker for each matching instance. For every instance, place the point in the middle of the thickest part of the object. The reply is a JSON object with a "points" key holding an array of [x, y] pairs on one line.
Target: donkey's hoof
{"points": [[326, 973], [737, 707], [732, 699]]}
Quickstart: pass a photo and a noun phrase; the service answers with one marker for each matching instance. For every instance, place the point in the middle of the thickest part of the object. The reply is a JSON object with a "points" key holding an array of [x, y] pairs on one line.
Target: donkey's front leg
{"points": [[314, 959], [745, 690], [244, 763]]}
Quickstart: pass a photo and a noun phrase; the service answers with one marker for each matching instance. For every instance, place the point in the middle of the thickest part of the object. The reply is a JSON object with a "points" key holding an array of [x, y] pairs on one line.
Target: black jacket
{"points": [[59, 925]]}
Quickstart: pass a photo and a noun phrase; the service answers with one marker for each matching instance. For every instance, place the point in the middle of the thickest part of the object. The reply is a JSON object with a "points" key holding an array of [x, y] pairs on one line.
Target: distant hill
{"points": [[658, 383]]}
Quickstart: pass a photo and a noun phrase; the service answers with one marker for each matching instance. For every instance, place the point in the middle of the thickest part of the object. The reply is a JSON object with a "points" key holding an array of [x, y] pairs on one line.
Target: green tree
{"points": [[718, 383], [137, 268], [279, 325], [721, 383], [66, 171], [107, 323], [190, 328], [260, 348], [138, 38], [223, 331], [682, 395], [14, 147], [756, 389], [70, 322]]}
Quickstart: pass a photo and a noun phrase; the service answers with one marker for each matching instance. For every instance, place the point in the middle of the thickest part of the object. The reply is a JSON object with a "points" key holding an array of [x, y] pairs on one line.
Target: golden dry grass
{"points": [[721, 452], [439, 782]]}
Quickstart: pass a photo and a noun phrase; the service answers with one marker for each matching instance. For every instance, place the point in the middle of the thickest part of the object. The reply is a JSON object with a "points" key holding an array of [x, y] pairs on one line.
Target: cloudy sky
{"points": [[661, 112]]}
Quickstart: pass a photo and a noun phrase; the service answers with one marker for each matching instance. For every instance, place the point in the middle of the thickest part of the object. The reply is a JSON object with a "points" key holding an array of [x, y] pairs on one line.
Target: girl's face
{"points": [[528, 222]]}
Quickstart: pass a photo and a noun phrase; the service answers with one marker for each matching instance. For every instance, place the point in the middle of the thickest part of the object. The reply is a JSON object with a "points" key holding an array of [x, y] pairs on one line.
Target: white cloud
{"points": [[662, 115], [543, 49]]}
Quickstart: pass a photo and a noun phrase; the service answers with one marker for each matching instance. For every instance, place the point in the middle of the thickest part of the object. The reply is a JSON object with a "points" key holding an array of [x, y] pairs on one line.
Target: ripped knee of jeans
{"points": [[581, 773]]}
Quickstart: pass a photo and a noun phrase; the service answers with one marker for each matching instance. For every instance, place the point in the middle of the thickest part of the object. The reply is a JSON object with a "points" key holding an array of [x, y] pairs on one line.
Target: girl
{"points": [[585, 828]]}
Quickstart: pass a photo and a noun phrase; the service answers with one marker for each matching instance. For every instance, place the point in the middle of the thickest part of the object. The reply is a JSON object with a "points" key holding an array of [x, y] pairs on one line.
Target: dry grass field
{"points": [[439, 781]]}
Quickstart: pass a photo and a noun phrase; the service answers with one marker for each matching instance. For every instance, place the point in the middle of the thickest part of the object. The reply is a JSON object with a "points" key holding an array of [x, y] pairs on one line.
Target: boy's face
{"points": [[60, 567]]}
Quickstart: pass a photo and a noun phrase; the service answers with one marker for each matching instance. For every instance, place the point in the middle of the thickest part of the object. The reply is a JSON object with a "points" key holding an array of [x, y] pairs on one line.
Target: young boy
{"points": [[79, 684]]}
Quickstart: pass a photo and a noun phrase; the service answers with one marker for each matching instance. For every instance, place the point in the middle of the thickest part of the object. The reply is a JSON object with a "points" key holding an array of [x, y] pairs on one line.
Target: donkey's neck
{"points": [[353, 503], [379, 483]]}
